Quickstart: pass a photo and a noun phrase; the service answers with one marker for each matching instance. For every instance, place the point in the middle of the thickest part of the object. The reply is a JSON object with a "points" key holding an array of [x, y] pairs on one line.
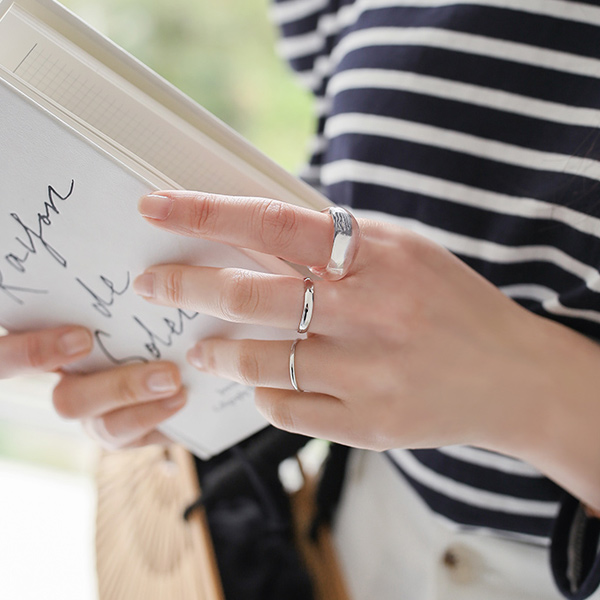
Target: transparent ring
{"points": [[344, 247]]}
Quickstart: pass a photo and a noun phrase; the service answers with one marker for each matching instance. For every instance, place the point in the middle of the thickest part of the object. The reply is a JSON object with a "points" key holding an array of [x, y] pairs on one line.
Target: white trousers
{"points": [[392, 547]]}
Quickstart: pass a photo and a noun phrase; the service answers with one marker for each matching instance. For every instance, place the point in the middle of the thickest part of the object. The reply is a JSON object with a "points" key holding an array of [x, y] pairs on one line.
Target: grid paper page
{"points": [[58, 70]]}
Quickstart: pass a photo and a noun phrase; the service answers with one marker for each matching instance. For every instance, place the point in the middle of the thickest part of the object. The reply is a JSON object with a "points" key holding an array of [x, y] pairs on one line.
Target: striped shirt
{"points": [[477, 125]]}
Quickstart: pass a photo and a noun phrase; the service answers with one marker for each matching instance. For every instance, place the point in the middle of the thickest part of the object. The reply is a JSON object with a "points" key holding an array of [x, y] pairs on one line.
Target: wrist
{"points": [[521, 421], [560, 422]]}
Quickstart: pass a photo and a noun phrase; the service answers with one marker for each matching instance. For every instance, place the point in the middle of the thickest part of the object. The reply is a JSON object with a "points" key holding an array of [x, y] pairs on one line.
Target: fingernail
{"points": [[161, 381], [144, 285], [75, 342], [195, 357], [155, 206], [173, 403]]}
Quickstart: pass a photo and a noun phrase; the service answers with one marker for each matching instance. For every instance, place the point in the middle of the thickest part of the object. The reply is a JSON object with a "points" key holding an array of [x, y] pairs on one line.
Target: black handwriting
{"points": [[43, 219], [12, 290], [102, 304], [99, 334], [175, 329]]}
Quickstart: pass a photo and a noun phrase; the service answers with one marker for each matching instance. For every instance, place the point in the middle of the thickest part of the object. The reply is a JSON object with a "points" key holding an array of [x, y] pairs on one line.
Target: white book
{"points": [[85, 130]]}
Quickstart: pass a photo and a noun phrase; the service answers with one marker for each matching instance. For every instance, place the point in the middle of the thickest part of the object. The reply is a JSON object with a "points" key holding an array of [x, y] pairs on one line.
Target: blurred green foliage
{"points": [[221, 53]]}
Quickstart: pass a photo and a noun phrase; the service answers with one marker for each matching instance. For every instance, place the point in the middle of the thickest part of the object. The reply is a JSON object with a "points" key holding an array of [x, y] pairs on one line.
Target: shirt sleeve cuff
{"points": [[574, 550]]}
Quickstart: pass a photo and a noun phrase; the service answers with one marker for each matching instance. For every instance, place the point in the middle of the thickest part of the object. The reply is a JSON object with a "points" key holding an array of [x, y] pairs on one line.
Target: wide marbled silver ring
{"points": [[344, 247]]}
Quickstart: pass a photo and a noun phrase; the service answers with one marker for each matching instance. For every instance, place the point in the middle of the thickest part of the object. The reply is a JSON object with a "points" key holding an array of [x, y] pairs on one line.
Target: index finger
{"points": [[299, 235]]}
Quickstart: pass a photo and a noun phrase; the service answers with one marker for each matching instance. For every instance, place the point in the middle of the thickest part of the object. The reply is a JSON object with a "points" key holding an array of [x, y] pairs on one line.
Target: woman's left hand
{"points": [[411, 349]]}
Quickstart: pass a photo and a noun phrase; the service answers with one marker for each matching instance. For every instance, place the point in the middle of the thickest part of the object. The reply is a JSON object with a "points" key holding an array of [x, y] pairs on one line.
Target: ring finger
{"points": [[266, 363]]}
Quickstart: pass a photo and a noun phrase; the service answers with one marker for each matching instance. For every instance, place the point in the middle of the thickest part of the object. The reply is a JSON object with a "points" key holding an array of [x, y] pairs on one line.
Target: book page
{"points": [[110, 106], [71, 243]]}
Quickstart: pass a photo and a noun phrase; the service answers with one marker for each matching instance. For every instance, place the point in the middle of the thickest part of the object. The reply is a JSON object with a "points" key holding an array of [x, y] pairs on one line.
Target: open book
{"points": [[85, 130]]}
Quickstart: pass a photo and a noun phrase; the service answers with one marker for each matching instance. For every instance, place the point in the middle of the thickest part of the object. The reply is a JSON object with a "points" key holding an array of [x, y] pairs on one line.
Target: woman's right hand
{"points": [[120, 407]]}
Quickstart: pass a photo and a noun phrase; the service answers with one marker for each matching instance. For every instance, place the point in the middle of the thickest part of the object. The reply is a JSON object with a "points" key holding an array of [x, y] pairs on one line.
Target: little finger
{"points": [[129, 426], [315, 415]]}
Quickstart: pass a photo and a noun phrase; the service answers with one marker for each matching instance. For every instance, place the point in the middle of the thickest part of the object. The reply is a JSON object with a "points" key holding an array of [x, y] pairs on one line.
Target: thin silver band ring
{"points": [[293, 365], [307, 310]]}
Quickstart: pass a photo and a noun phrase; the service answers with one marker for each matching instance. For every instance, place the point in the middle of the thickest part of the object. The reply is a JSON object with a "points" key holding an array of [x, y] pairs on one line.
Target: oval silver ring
{"points": [[344, 247], [293, 365], [307, 310]]}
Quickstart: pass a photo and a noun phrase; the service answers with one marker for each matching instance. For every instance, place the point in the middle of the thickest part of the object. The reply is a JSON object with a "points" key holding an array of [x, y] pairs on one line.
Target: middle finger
{"points": [[241, 296]]}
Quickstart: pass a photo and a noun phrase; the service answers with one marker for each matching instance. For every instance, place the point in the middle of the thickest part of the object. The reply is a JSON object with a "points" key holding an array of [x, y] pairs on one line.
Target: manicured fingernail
{"points": [[75, 342], [161, 381], [173, 403], [155, 206], [195, 357], [144, 285]]}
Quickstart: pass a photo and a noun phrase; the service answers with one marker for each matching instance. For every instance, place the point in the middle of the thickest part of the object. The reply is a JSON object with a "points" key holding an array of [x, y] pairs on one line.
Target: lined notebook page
{"points": [[107, 103]]}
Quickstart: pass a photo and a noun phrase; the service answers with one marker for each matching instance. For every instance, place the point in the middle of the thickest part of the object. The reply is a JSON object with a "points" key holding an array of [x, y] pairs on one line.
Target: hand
{"points": [[119, 408], [411, 349]]}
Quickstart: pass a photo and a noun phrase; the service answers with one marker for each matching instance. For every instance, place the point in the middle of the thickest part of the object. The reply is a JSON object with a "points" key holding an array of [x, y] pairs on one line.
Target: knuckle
{"points": [[278, 224], [210, 360], [203, 215], [247, 366], [126, 391], [278, 414], [410, 245], [398, 330], [173, 286], [33, 350], [416, 255], [240, 296]]}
